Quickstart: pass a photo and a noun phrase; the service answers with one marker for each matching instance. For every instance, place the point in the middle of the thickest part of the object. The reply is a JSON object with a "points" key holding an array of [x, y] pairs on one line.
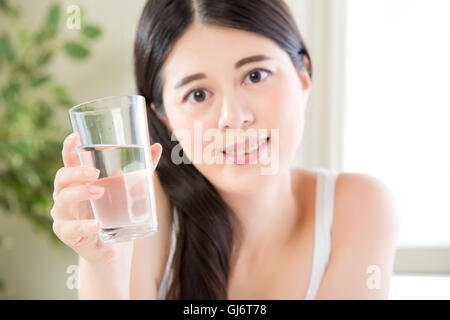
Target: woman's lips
{"points": [[240, 146], [247, 158]]}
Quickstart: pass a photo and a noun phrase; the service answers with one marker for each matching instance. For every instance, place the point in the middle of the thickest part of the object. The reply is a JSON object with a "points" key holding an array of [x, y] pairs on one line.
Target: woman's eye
{"points": [[196, 96], [199, 95], [255, 75]]}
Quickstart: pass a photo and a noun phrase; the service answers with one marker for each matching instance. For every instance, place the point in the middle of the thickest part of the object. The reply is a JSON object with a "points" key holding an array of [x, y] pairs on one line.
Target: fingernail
{"points": [[95, 190], [71, 136], [93, 172], [94, 225]]}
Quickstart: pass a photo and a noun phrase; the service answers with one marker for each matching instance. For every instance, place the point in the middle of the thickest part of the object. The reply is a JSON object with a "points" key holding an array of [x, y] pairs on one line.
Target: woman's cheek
{"points": [[278, 112], [285, 115]]}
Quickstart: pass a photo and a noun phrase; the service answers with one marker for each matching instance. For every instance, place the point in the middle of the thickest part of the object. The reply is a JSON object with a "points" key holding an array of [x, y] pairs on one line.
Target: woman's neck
{"points": [[268, 216]]}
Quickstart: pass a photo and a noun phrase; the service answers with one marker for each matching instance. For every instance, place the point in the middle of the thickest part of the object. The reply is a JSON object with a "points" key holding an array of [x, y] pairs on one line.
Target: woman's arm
{"points": [[135, 277], [364, 237], [151, 254], [104, 281]]}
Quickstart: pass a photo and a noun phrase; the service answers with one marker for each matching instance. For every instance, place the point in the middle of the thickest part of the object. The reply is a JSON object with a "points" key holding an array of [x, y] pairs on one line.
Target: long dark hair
{"points": [[208, 228]]}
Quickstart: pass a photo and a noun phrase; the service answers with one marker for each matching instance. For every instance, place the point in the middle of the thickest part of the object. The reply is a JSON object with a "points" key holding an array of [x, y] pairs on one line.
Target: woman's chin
{"points": [[243, 181]]}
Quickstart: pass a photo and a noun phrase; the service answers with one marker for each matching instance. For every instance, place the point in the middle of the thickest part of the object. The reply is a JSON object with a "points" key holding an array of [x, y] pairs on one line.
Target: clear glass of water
{"points": [[115, 139]]}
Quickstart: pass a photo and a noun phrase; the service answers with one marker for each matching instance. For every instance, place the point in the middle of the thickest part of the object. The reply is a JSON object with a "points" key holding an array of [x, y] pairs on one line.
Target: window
{"points": [[397, 109], [419, 287], [380, 105], [395, 126]]}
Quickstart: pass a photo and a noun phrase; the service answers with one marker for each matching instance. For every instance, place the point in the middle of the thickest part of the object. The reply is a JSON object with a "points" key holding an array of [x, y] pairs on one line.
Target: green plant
{"points": [[30, 98]]}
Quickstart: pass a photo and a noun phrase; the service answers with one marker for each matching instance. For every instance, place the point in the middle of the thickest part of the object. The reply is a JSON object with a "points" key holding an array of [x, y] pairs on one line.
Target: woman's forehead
{"points": [[203, 45]]}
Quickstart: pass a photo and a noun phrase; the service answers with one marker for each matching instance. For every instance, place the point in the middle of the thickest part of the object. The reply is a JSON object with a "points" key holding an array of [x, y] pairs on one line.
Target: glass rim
{"points": [[81, 146], [73, 109]]}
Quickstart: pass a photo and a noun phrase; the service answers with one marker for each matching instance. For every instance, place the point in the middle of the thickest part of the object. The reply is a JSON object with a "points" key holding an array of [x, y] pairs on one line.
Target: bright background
{"points": [[380, 105]]}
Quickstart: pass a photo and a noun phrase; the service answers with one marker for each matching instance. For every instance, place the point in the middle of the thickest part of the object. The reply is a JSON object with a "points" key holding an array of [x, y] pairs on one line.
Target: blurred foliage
{"points": [[30, 97]]}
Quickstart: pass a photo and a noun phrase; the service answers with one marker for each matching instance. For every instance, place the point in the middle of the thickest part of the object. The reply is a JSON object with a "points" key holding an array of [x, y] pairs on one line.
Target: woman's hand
{"points": [[73, 220]]}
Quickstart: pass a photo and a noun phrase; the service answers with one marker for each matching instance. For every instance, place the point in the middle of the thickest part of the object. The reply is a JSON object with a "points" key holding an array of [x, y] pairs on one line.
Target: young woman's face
{"points": [[236, 99]]}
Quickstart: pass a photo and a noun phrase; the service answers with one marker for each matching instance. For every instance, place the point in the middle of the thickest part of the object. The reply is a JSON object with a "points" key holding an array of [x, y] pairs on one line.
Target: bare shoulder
{"points": [[364, 235], [150, 254], [363, 203]]}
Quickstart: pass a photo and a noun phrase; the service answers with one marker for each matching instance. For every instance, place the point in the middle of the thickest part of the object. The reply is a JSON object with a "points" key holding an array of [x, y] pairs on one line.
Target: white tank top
{"points": [[325, 186]]}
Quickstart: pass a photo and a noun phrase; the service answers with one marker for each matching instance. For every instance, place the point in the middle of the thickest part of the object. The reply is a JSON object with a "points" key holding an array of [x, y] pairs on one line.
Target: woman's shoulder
{"points": [[361, 202], [364, 200], [364, 234], [352, 193]]}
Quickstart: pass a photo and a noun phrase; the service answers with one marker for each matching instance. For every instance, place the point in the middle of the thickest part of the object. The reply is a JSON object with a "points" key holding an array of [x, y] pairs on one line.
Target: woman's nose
{"points": [[234, 115]]}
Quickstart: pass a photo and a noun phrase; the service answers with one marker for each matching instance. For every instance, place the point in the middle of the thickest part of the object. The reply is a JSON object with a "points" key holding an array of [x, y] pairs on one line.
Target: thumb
{"points": [[156, 150]]}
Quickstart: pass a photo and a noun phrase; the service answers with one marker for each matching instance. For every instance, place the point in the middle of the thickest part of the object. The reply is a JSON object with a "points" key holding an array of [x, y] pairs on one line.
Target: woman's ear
{"points": [[304, 75], [305, 79]]}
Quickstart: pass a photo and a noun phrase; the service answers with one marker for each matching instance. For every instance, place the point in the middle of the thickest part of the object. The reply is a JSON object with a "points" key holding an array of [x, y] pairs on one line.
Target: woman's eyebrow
{"points": [[238, 64]]}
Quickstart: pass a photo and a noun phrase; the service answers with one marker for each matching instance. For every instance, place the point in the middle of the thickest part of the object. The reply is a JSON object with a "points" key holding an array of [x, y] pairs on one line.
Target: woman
{"points": [[227, 231]]}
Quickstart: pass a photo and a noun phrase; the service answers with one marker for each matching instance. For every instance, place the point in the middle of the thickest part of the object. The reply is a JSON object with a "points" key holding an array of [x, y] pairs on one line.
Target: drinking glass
{"points": [[115, 139]]}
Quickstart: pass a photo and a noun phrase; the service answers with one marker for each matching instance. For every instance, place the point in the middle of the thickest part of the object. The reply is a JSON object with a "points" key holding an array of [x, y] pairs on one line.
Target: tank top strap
{"points": [[325, 191], [168, 274]]}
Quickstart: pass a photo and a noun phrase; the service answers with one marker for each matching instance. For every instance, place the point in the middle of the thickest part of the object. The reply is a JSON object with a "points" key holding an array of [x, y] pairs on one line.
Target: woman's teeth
{"points": [[251, 148]]}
